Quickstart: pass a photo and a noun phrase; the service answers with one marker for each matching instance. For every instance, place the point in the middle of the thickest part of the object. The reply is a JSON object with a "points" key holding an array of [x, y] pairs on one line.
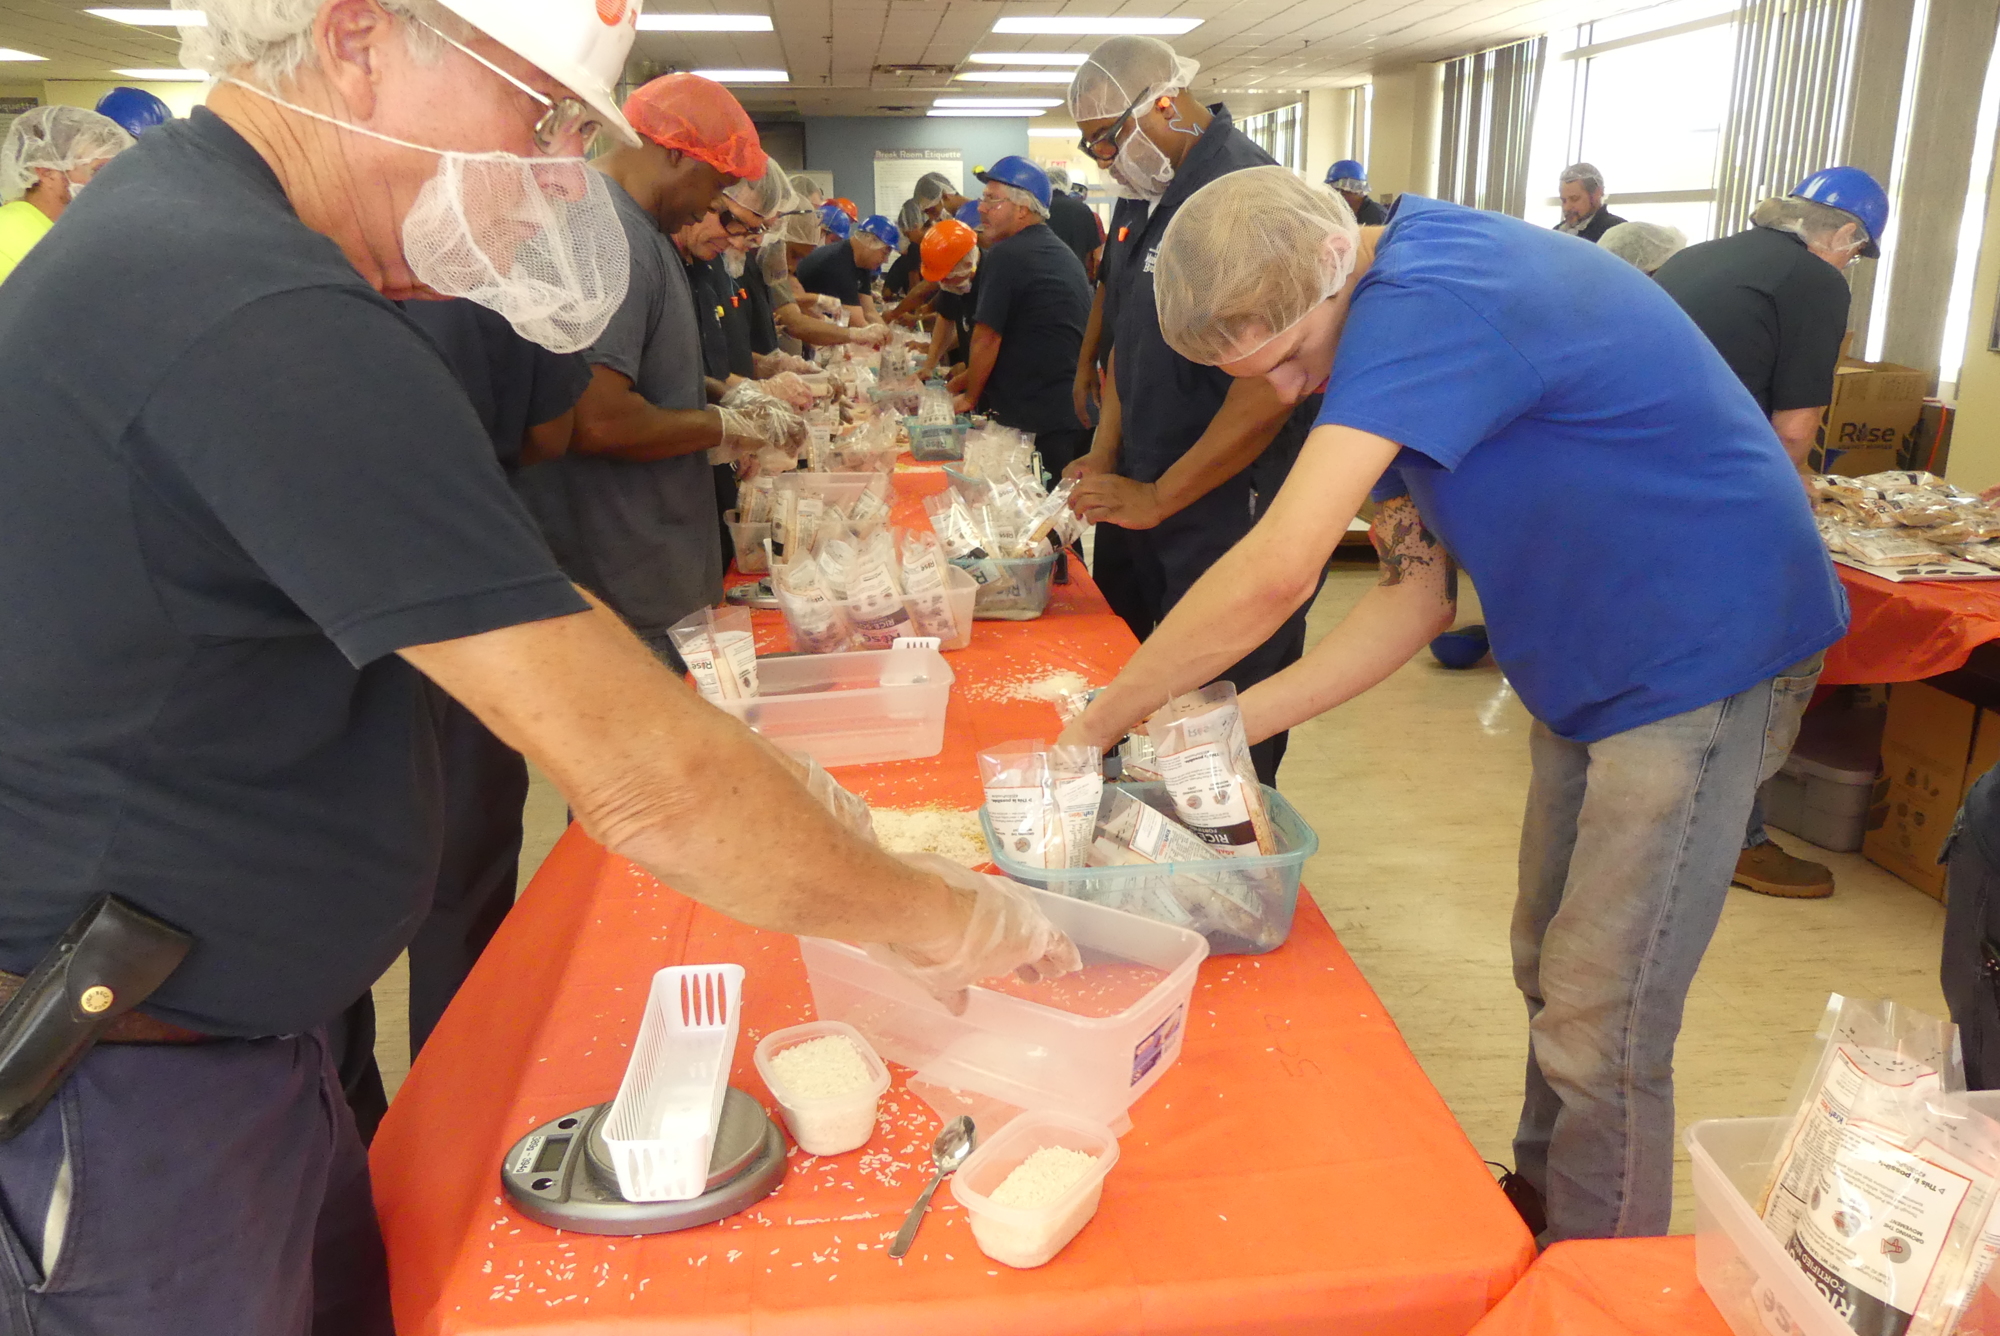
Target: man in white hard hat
{"points": [[245, 512]]}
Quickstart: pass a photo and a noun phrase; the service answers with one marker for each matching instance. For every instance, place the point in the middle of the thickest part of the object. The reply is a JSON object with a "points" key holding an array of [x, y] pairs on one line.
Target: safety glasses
{"points": [[1103, 146], [566, 120]]}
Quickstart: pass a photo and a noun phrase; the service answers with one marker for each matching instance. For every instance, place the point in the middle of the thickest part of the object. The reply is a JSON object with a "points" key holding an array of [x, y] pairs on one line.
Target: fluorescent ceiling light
{"points": [[9, 53], [746, 76], [1039, 78], [996, 102], [1052, 132], [154, 18], [1069, 26], [1028, 57], [704, 23], [983, 111], [165, 76]]}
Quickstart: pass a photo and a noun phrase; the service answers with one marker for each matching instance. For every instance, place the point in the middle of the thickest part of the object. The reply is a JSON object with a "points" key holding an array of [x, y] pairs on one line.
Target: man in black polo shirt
{"points": [[1773, 300], [1581, 189], [1183, 455], [844, 268], [1028, 322], [1075, 222], [245, 512]]}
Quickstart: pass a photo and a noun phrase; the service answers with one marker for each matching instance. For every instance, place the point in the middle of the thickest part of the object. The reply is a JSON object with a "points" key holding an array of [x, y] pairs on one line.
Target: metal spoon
{"points": [[947, 1153]]}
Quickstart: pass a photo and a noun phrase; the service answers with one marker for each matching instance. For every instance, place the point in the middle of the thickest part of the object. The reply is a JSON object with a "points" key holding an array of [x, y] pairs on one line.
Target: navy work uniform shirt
{"points": [[1033, 294], [237, 481]]}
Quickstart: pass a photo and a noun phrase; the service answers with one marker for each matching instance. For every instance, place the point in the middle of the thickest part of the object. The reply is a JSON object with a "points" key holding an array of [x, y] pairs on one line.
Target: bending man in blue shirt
{"points": [[1543, 415]]}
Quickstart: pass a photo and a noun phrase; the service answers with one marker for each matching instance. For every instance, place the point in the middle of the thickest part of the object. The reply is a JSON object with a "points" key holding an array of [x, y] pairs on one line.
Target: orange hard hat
{"points": [[848, 207], [700, 118], [945, 245]]}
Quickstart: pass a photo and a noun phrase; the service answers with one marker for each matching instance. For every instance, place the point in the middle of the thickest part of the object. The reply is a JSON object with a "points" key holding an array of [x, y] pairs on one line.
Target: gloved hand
{"points": [[869, 336], [829, 305], [772, 364], [788, 386], [850, 811], [752, 420], [1006, 932]]}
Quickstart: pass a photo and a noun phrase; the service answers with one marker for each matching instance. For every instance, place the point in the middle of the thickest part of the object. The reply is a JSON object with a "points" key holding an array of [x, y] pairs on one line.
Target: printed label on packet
{"points": [[739, 654], [1020, 819], [1209, 797]]}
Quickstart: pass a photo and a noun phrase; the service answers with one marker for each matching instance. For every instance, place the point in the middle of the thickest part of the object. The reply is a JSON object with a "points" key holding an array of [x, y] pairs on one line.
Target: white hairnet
{"points": [[1123, 71], [1246, 258], [931, 188], [1644, 246], [800, 227], [1583, 174], [910, 217], [58, 138], [1058, 178], [767, 194]]}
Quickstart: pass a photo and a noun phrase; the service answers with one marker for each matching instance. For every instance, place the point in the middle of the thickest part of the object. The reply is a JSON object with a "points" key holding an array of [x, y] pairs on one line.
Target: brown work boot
{"points": [[1769, 870]]}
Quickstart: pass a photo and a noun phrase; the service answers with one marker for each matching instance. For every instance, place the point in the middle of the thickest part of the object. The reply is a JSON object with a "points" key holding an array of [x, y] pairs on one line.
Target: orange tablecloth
{"points": [[1609, 1287], [1904, 632], [1294, 1172]]}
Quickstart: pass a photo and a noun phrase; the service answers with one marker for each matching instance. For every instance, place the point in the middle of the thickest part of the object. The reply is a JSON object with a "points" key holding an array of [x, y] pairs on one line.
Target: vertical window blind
{"points": [[1788, 110], [1488, 118]]}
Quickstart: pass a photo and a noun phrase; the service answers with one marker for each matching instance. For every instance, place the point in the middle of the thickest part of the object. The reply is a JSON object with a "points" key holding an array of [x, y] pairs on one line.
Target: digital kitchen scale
{"points": [[561, 1173]]}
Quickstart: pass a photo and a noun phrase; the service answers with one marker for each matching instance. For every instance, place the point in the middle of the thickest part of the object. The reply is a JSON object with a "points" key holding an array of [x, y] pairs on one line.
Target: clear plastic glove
{"points": [[829, 305], [1007, 932], [753, 420], [851, 811], [772, 364], [789, 387], [870, 336]]}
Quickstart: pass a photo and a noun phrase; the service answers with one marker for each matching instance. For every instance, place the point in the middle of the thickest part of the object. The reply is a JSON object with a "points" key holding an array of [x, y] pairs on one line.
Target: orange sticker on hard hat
{"points": [[611, 12]]}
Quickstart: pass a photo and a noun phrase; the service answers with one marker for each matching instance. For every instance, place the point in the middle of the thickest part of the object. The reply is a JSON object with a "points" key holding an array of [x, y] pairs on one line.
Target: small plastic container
{"points": [[1273, 877], [1028, 1236], [933, 441], [840, 489], [1743, 1266], [832, 1125], [857, 708], [961, 592], [1014, 1052], [1021, 594], [751, 556]]}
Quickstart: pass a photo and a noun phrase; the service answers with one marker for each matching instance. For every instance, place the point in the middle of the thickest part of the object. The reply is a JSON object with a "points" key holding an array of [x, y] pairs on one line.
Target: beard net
{"points": [[537, 240], [1246, 258]]}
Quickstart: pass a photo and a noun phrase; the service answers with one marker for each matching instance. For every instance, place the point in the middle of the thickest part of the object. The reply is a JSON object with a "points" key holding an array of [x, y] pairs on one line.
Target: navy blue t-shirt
{"points": [[1033, 294], [1641, 544], [831, 271], [512, 383]]}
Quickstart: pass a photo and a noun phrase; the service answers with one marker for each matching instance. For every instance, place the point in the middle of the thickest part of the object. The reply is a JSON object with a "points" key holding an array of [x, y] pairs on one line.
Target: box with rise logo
{"points": [[1875, 406]]}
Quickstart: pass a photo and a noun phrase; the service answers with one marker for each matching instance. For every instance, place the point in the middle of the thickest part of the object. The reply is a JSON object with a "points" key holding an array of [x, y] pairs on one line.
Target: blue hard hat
{"points": [[1347, 169], [1854, 191], [135, 109], [968, 213], [835, 220], [880, 228], [1015, 170]]}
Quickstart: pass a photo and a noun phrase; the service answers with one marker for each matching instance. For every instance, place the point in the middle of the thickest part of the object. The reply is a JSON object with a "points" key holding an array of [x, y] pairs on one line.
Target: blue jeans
{"points": [[1626, 854], [1784, 732]]}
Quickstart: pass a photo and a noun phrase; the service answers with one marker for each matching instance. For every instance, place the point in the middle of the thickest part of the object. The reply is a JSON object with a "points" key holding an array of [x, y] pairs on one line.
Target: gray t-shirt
{"points": [[644, 536]]}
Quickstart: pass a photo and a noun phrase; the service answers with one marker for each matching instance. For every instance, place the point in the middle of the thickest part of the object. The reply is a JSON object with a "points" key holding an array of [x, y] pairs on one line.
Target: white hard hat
{"points": [[581, 44]]}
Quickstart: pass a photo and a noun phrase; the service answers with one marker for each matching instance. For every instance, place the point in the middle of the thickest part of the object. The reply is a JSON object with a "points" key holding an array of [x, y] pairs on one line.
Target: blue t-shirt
{"points": [[1641, 544]]}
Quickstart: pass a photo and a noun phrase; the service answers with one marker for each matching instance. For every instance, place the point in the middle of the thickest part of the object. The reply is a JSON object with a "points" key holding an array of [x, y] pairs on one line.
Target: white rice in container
{"points": [[1029, 1189], [827, 1092]]}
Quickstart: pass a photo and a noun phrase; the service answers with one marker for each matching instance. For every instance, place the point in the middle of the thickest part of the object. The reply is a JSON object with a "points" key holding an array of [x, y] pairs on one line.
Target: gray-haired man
{"points": [[1581, 188]]}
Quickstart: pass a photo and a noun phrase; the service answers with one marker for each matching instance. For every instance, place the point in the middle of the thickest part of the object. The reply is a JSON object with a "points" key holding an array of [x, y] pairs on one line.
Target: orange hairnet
{"points": [[848, 207], [945, 245], [701, 118]]}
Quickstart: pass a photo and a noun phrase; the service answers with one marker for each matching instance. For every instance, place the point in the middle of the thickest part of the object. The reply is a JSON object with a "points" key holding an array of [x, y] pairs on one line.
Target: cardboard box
{"points": [[1929, 446], [1875, 407], [1930, 746]]}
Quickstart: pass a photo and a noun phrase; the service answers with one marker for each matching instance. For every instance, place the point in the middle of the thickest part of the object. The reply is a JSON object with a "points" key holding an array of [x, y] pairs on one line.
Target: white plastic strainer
{"points": [[661, 1128]]}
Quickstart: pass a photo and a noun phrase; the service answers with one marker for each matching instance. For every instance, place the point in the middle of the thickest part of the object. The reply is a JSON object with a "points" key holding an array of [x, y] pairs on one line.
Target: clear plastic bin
{"points": [[1021, 593], [1008, 1053], [851, 709], [1742, 1265], [831, 1125], [840, 489], [751, 556], [1028, 1236], [1273, 878], [932, 441]]}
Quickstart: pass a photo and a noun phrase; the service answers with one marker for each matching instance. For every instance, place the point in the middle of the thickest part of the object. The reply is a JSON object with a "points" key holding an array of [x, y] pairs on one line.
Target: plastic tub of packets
{"points": [[848, 592], [1005, 542], [1020, 590], [931, 442]]}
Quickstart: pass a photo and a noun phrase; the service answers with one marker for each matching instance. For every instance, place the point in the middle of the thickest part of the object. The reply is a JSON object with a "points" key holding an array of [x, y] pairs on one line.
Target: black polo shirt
{"points": [[710, 287], [903, 272], [958, 308], [236, 482], [512, 383], [1076, 223], [831, 271], [1128, 217], [1165, 400], [1033, 294], [1775, 311], [761, 314]]}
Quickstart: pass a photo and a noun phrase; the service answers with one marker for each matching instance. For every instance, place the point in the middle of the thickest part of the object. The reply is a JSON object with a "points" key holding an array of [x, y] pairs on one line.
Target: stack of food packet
{"points": [[1013, 518], [1905, 518], [994, 452], [846, 585], [1884, 1179]]}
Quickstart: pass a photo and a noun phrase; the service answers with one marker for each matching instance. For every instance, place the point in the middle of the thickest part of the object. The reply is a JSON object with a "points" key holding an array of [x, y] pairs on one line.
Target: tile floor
{"points": [[1416, 791]]}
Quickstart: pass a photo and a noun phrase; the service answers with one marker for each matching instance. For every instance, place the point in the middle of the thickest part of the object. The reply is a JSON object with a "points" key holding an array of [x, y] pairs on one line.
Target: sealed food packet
{"points": [[1045, 518], [923, 586], [814, 617], [1131, 832], [1204, 757], [952, 522], [1897, 1229], [873, 603], [719, 648], [1078, 775], [1022, 804]]}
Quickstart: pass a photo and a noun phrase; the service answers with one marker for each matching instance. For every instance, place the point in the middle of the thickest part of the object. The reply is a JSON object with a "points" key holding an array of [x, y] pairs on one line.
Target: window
{"points": [[1280, 133], [1644, 97]]}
